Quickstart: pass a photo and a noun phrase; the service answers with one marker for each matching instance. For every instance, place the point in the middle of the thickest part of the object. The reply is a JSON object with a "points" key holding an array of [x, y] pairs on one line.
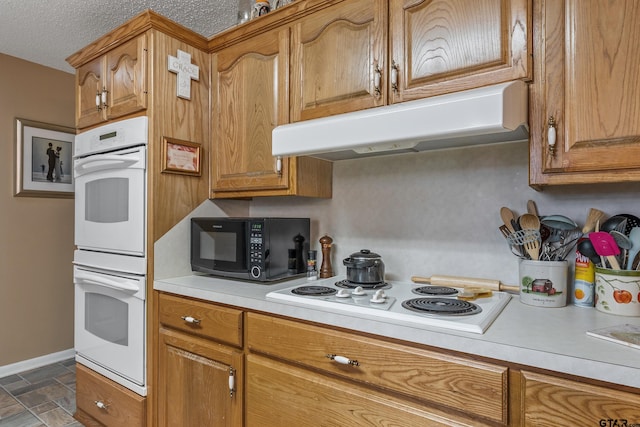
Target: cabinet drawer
{"points": [[475, 387], [123, 407], [215, 322]]}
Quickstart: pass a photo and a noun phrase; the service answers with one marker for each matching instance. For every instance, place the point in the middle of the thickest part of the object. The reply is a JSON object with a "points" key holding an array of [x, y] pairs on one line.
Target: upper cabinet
{"points": [[250, 97], [586, 88], [112, 85], [340, 61]]}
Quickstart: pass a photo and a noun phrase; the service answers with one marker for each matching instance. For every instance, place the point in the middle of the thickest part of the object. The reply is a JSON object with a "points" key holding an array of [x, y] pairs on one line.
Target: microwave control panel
{"points": [[256, 249]]}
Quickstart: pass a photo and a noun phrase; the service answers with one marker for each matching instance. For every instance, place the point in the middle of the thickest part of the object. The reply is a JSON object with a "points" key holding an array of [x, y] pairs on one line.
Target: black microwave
{"points": [[257, 249]]}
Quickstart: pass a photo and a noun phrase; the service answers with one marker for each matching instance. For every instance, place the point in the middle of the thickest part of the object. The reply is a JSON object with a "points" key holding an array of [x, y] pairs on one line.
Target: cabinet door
{"points": [[550, 401], [126, 78], [336, 55], [586, 79], [444, 46], [250, 98], [88, 94], [283, 395], [193, 382]]}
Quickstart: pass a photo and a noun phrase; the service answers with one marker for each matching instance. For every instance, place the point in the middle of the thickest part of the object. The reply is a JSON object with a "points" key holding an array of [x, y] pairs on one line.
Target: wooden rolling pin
{"points": [[455, 281]]}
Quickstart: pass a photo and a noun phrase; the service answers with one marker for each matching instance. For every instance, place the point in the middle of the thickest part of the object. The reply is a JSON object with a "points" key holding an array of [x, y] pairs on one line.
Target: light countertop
{"points": [[549, 338]]}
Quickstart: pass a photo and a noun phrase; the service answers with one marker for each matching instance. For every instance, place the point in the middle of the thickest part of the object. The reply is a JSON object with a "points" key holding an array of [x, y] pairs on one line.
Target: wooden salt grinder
{"points": [[325, 268]]}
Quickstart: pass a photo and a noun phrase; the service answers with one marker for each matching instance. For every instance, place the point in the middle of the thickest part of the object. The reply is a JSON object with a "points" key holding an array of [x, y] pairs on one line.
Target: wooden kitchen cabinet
{"points": [[586, 78], [112, 85], [421, 385], [102, 402], [250, 96], [200, 380], [340, 62], [551, 401]]}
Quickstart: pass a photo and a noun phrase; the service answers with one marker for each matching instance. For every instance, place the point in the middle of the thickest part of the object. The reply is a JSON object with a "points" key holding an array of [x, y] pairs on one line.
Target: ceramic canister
{"points": [[543, 283], [618, 291]]}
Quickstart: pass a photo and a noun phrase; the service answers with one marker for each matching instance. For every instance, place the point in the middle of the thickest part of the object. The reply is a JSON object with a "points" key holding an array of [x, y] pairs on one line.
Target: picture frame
{"points": [[43, 160], [181, 157]]}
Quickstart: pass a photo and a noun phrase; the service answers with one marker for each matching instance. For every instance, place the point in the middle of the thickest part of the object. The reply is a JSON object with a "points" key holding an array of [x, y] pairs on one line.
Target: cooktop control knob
{"points": [[379, 297], [359, 291], [343, 293]]}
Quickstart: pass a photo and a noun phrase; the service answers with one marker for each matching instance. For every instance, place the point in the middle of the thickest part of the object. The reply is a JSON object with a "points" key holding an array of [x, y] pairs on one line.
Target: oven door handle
{"points": [[104, 162], [100, 280]]}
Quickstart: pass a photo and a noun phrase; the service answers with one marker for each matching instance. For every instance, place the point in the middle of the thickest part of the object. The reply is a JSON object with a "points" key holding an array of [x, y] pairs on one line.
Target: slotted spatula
{"points": [[606, 246]]}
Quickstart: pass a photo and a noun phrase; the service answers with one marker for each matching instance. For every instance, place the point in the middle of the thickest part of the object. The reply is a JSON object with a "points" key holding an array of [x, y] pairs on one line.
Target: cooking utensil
{"points": [[605, 246], [632, 221], [516, 249], [465, 282], [507, 216], [473, 293], [532, 208], [614, 223], [518, 239], [533, 249], [593, 217], [586, 248], [559, 222], [624, 243], [364, 267], [529, 222], [634, 238]]}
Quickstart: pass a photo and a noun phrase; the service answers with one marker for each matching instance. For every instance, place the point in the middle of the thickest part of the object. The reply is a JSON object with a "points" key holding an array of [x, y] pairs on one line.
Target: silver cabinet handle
{"points": [[191, 320], [232, 381], [343, 360], [395, 71], [98, 104], [279, 166], [103, 97], [101, 405], [377, 80], [551, 136]]}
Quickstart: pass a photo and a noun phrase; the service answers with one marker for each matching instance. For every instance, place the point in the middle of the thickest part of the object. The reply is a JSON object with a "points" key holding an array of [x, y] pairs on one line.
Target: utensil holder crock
{"points": [[543, 283], [618, 291]]}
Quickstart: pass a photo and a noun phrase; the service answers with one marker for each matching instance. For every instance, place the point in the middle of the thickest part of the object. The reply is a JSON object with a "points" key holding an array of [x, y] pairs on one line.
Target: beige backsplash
{"points": [[429, 213], [438, 212]]}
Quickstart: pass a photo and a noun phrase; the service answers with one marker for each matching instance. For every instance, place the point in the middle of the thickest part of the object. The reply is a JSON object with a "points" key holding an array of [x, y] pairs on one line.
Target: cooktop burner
{"points": [[316, 291], [441, 306], [393, 304], [434, 290], [347, 284]]}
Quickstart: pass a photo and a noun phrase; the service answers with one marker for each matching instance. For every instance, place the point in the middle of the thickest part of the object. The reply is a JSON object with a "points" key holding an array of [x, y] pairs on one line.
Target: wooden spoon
{"points": [[529, 222], [593, 217], [507, 216]]}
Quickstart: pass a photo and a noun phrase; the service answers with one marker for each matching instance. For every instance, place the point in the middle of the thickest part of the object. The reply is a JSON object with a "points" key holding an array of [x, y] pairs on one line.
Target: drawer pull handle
{"points": [[190, 319], [343, 360], [232, 382], [101, 405]]}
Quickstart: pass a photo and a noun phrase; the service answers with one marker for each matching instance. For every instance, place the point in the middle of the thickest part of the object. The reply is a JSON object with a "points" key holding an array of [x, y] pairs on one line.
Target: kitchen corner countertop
{"points": [[549, 338]]}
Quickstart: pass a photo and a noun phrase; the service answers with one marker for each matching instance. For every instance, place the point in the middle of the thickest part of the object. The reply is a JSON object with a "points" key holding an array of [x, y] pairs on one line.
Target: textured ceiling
{"points": [[48, 31]]}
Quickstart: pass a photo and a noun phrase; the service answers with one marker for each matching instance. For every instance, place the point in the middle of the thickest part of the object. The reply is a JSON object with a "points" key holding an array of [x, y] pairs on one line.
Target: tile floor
{"points": [[42, 397]]}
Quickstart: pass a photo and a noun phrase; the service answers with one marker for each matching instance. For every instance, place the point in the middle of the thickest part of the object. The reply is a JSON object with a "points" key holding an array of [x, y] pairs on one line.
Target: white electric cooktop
{"points": [[398, 302]]}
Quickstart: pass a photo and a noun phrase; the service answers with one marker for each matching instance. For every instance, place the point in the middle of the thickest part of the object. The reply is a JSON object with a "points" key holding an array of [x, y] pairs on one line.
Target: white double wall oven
{"points": [[110, 172]]}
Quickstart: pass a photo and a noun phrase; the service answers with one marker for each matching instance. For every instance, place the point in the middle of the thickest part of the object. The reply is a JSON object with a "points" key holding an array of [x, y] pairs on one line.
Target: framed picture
{"points": [[43, 159], [181, 157]]}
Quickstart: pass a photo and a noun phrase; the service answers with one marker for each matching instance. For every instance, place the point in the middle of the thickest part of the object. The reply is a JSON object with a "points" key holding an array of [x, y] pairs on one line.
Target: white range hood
{"points": [[486, 115]]}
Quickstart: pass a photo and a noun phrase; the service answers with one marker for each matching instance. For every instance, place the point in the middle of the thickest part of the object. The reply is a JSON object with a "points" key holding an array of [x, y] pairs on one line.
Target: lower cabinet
{"points": [[325, 376], [199, 383], [200, 364], [551, 401], [101, 402]]}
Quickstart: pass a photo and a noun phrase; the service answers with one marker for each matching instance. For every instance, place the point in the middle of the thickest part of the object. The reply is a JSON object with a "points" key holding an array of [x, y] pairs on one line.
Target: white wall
{"points": [[438, 212]]}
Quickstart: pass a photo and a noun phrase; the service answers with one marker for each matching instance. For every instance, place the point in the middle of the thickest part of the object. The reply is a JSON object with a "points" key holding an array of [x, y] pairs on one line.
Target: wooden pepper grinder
{"points": [[325, 268]]}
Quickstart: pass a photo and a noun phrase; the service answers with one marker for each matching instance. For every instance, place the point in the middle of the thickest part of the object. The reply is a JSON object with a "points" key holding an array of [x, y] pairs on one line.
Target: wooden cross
{"points": [[186, 71]]}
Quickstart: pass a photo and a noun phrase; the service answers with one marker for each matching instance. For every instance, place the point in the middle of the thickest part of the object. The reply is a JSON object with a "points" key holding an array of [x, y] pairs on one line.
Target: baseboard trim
{"points": [[37, 362]]}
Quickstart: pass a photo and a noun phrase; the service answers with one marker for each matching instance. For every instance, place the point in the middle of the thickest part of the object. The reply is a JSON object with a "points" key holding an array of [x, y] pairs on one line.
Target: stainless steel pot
{"points": [[364, 267]]}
